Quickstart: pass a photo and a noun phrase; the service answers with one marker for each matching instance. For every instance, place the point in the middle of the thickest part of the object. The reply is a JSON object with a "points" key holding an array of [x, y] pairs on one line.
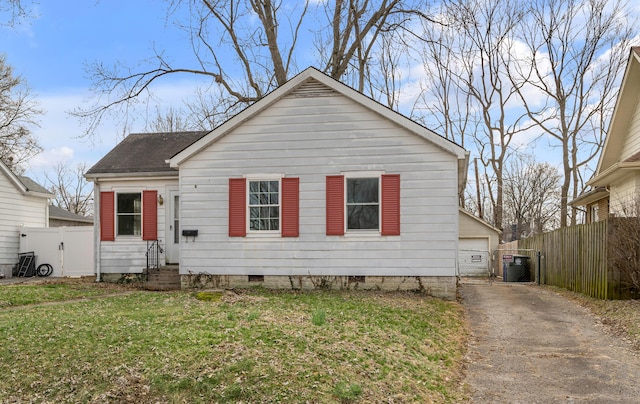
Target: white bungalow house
{"points": [[315, 185], [23, 202], [615, 185]]}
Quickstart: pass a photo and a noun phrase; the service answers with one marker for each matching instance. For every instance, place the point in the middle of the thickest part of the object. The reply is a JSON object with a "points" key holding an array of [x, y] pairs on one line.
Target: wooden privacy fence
{"points": [[574, 258]]}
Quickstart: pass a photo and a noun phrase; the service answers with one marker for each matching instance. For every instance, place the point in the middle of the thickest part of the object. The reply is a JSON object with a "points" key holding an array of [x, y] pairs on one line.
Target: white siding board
{"points": [[623, 195], [17, 210], [127, 254], [311, 138], [632, 141]]}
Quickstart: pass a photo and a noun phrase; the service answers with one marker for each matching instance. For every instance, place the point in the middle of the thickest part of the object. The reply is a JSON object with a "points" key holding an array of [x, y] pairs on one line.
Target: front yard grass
{"points": [[250, 346]]}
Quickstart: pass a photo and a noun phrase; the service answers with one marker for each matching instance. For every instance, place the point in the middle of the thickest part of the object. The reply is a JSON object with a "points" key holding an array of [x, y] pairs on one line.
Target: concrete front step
{"points": [[163, 278]]}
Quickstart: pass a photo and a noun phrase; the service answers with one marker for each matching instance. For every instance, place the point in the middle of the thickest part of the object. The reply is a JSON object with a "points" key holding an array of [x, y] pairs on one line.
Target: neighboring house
{"points": [[22, 203], [314, 185], [615, 185], [59, 217], [478, 242]]}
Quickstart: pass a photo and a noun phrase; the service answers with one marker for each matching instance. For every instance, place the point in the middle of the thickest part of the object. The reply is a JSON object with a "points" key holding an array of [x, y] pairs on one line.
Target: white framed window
{"points": [[264, 205], [362, 203], [129, 214]]}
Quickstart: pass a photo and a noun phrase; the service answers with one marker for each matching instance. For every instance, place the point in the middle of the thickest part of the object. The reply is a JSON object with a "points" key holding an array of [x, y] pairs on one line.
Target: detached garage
{"points": [[477, 241]]}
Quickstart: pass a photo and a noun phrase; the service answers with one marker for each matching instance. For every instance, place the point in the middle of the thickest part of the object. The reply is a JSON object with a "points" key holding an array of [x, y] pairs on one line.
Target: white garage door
{"points": [[473, 257]]}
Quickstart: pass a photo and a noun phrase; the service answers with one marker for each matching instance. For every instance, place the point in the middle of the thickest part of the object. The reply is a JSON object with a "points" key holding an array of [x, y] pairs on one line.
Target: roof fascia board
{"points": [[613, 173], [131, 176], [589, 197], [335, 85]]}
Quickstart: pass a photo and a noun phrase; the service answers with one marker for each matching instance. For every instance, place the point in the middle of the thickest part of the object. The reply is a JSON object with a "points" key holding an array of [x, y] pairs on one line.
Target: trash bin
{"points": [[506, 260], [518, 269]]}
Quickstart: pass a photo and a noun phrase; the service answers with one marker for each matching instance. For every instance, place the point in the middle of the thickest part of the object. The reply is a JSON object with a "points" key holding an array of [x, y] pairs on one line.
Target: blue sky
{"points": [[51, 50]]}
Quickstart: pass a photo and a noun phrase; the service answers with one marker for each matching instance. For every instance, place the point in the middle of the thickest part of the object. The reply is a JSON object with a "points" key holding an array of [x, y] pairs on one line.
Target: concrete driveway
{"points": [[531, 345]]}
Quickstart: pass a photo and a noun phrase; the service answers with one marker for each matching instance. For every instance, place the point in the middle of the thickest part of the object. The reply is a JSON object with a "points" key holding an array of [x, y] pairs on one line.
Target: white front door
{"points": [[173, 228]]}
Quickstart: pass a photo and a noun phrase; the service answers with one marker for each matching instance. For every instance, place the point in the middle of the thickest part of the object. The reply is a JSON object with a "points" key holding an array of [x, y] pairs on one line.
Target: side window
{"points": [[363, 204], [129, 214], [264, 205]]}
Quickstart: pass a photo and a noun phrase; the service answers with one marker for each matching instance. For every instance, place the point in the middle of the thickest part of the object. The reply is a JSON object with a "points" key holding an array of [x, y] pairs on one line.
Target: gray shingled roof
{"points": [[56, 212], [33, 186], [144, 153]]}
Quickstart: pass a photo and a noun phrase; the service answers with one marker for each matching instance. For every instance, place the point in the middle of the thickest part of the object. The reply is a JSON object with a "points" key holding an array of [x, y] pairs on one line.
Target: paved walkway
{"points": [[531, 345]]}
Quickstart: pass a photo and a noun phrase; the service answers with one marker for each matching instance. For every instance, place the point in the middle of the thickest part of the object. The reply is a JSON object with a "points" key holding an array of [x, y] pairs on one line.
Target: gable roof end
{"points": [[24, 185], [621, 118], [306, 76]]}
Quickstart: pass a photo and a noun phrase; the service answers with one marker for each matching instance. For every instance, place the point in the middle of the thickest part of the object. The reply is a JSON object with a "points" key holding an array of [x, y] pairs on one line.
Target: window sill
{"points": [[263, 235], [363, 233]]}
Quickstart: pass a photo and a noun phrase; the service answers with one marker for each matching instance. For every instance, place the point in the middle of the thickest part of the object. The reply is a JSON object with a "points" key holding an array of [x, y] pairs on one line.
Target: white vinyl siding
{"points": [[624, 196], [312, 138], [17, 210], [128, 254], [632, 141]]}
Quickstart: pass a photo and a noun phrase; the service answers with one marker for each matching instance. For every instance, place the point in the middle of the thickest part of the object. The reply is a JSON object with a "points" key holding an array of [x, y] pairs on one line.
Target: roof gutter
{"points": [[612, 173]]}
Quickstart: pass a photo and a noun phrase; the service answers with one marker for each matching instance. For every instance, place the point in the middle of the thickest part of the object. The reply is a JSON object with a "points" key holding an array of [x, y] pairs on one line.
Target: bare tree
{"points": [[244, 60], [246, 48], [72, 191], [18, 112], [531, 195], [441, 105], [15, 10], [171, 120], [472, 62], [355, 27], [574, 53]]}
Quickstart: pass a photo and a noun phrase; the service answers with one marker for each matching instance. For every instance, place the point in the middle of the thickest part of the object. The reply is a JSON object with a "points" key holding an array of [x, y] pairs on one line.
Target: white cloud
{"points": [[51, 157], [61, 135]]}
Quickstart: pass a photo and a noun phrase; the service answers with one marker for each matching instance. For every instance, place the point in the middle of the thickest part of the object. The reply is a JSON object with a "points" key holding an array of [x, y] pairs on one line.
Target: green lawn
{"points": [[256, 346]]}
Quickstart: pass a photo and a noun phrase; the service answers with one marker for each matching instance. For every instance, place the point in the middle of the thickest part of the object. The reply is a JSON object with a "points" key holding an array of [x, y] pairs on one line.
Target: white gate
{"points": [[69, 250]]}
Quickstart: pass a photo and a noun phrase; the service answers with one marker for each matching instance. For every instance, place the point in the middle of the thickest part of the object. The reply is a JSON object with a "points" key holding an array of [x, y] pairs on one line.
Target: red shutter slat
{"points": [[107, 216], [391, 205], [290, 207], [237, 207], [149, 215], [335, 205]]}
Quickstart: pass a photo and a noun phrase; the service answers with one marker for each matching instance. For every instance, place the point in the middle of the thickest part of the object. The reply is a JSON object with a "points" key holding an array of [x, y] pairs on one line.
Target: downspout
{"points": [[96, 227]]}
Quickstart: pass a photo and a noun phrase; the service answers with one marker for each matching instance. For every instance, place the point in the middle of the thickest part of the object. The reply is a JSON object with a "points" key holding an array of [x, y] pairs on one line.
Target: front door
{"points": [[173, 228]]}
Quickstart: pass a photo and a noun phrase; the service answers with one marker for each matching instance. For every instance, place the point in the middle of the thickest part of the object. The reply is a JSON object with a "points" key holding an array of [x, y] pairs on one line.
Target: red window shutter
{"points": [[237, 207], [290, 207], [149, 215], [107, 216], [391, 205], [335, 205]]}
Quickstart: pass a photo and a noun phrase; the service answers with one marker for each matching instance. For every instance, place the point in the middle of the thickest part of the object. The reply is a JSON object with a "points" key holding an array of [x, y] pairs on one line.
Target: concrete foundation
{"points": [[437, 286]]}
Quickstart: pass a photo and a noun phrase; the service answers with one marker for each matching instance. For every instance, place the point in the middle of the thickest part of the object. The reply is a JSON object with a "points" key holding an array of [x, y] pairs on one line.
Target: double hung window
{"points": [[129, 214], [363, 203], [264, 205]]}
